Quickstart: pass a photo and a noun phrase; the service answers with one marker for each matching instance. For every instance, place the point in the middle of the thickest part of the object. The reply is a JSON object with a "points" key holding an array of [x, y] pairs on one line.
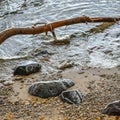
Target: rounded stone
{"points": [[27, 67], [71, 96], [45, 89], [112, 109]]}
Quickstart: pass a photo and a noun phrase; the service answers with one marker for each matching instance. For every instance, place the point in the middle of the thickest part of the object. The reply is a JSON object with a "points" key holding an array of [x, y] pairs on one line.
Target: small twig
{"points": [[46, 33], [53, 33]]}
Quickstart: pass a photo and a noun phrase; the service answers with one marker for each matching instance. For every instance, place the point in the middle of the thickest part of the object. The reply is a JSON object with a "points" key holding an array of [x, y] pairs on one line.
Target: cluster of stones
{"points": [[45, 89]]}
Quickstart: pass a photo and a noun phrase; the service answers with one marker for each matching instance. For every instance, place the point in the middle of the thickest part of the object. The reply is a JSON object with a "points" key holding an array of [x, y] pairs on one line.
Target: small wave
{"points": [[13, 58]]}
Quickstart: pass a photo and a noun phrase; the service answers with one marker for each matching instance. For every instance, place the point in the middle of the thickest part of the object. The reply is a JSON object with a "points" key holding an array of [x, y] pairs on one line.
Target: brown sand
{"points": [[99, 87]]}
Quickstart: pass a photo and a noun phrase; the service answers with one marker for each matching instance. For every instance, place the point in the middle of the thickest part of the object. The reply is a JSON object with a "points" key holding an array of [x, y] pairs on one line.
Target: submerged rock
{"points": [[27, 67], [66, 64], [45, 89], [72, 96]]}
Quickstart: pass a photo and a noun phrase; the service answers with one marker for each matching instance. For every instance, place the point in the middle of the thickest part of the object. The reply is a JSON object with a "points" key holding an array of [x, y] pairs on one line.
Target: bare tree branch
{"points": [[51, 26]]}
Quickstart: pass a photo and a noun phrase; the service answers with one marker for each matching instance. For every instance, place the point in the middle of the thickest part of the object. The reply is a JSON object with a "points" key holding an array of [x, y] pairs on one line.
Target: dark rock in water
{"points": [[45, 89], [27, 67], [112, 109], [72, 96], [41, 53]]}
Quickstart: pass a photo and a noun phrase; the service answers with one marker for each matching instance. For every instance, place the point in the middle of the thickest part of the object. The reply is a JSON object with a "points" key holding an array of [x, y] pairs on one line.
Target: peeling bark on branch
{"points": [[51, 26]]}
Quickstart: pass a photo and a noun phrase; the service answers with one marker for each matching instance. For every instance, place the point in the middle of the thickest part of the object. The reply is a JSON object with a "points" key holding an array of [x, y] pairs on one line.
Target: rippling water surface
{"points": [[98, 50]]}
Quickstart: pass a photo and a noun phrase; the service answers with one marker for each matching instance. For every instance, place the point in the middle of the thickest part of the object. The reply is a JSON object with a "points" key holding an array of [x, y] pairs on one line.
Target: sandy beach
{"points": [[86, 53], [98, 86]]}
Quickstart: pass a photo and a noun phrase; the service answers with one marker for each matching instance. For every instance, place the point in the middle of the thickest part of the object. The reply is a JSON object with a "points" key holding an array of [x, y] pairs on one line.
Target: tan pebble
{"points": [[27, 103], [42, 118], [9, 82]]}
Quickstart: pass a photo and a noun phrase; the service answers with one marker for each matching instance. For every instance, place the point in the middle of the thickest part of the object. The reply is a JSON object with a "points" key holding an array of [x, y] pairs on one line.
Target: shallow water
{"points": [[97, 50]]}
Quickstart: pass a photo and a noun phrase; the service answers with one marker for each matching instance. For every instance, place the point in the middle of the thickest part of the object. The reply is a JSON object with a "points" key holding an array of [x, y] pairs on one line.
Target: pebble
{"points": [[8, 82], [1, 84], [66, 64], [2, 80]]}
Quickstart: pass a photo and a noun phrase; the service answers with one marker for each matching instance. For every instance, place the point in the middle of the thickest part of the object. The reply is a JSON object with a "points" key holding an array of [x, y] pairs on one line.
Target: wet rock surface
{"points": [[71, 96], [27, 67], [45, 89]]}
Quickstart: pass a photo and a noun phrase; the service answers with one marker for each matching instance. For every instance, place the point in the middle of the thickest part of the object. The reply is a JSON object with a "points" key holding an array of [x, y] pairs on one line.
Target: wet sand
{"points": [[98, 86]]}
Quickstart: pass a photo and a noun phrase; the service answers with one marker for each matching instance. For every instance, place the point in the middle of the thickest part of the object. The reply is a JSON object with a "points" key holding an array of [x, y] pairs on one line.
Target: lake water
{"points": [[95, 50]]}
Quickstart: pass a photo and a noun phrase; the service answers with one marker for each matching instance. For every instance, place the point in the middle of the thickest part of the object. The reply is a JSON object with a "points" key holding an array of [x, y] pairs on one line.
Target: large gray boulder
{"points": [[45, 89]]}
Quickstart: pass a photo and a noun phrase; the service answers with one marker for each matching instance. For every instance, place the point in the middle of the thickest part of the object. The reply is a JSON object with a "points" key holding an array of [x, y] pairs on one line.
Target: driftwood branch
{"points": [[51, 26]]}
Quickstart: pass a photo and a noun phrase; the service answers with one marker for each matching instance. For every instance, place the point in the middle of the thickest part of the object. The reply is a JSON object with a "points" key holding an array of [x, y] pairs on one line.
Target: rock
{"points": [[27, 67], [39, 52], [1, 85], [112, 109], [66, 64], [8, 82], [2, 80], [45, 89], [71, 96]]}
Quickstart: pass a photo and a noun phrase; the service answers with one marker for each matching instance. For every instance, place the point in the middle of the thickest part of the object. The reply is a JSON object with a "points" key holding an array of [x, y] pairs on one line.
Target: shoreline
{"points": [[98, 86]]}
